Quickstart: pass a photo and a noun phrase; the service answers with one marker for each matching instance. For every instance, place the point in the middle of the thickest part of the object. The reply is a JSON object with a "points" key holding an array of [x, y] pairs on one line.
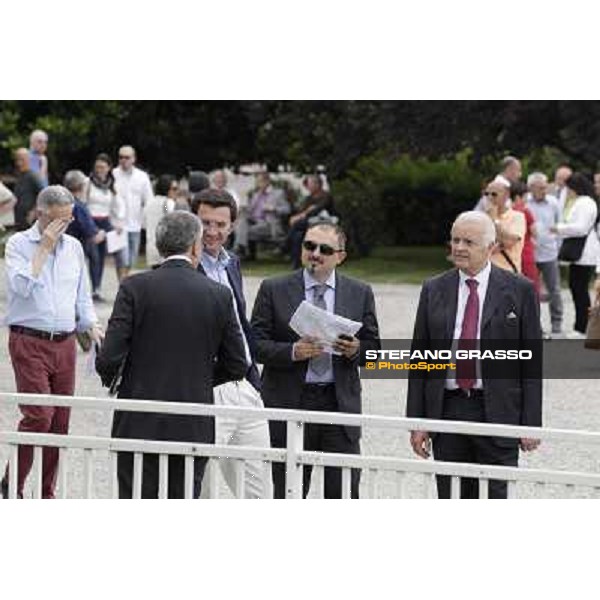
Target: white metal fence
{"points": [[380, 471]]}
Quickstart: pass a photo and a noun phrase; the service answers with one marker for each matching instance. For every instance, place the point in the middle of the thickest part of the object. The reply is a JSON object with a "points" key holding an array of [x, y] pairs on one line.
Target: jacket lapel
{"points": [[493, 297], [295, 291], [450, 300]]}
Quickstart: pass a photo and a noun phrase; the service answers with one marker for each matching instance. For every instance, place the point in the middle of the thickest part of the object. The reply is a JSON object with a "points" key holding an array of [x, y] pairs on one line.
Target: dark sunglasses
{"points": [[492, 194], [324, 249], [124, 157]]}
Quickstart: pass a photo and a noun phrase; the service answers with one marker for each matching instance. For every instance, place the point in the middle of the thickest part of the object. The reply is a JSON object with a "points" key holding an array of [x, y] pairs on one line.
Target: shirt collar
{"points": [[221, 260], [311, 282], [178, 257], [482, 277]]}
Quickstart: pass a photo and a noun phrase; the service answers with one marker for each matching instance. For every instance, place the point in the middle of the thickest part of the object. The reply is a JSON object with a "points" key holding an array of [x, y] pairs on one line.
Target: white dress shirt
{"points": [[135, 189], [482, 279]]}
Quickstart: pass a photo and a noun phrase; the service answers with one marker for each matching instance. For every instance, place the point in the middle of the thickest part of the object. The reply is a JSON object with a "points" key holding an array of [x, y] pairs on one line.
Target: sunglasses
{"points": [[324, 249], [492, 194], [124, 157]]}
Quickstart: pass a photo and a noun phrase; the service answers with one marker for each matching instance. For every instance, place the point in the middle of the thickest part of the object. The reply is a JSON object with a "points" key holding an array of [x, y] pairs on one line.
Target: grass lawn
{"points": [[396, 264]]}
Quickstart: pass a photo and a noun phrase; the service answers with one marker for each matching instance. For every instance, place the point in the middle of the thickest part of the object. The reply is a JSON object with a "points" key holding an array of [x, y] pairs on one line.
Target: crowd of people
{"points": [[541, 225], [206, 349]]}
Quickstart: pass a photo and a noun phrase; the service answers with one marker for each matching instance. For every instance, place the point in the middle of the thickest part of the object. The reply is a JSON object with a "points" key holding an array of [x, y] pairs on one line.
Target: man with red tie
{"points": [[474, 305]]}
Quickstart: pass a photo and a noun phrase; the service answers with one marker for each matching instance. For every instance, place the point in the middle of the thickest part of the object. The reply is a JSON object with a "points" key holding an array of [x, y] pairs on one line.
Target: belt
{"points": [[318, 386], [472, 394], [53, 336]]}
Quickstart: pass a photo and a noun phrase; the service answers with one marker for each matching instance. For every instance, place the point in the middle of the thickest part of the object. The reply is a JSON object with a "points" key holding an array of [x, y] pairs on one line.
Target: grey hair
{"points": [[176, 232], [54, 195], [508, 161], [489, 231], [537, 177], [38, 133], [74, 180]]}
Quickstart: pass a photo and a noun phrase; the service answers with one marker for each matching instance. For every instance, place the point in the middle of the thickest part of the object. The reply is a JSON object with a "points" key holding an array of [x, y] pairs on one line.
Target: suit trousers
{"points": [[320, 438], [450, 447], [150, 476], [42, 367], [238, 431]]}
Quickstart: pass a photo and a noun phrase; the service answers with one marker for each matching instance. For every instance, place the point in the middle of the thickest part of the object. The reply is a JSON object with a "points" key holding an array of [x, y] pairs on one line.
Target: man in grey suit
{"points": [[476, 304], [297, 373]]}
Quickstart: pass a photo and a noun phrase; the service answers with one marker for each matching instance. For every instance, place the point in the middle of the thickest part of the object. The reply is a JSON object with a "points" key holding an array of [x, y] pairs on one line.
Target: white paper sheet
{"points": [[115, 241], [310, 320]]}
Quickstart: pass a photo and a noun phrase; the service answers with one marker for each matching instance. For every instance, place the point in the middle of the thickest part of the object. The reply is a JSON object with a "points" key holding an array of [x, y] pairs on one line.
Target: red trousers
{"points": [[42, 367]]}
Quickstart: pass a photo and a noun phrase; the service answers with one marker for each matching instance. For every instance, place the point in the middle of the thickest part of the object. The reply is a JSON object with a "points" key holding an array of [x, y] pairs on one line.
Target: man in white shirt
{"points": [[133, 186]]}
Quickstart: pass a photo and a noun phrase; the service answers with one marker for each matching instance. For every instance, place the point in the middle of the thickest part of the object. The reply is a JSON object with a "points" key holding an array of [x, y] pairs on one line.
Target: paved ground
{"points": [[568, 404]]}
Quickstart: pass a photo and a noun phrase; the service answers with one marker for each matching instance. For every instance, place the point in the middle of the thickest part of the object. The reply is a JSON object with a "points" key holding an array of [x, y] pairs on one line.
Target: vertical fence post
{"points": [[13, 472], [293, 470]]}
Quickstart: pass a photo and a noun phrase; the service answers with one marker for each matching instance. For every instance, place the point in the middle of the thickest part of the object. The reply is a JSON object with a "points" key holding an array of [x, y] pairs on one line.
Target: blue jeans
{"points": [[133, 238], [97, 264]]}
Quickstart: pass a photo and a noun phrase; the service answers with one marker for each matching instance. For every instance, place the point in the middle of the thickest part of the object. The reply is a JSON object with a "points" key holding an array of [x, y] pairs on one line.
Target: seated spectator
{"points": [[163, 202], [315, 203], [265, 219]]}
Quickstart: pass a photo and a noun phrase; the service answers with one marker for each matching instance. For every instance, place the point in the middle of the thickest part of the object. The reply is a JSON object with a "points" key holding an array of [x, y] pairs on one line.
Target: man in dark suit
{"points": [[476, 303], [178, 335], [297, 373], [218, 212]]}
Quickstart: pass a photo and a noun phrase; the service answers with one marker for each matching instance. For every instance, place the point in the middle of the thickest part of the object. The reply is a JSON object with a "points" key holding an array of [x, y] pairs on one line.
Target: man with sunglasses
{"points": [[134, 187], [297, 373]]}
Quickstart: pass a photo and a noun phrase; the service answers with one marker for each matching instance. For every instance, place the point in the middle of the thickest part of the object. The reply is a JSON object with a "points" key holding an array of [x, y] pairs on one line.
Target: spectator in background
{"points": [[82, 227], [133, 185], [108, 211], [510, 227], [518, 192], [510, 172], [38, 161], [162, 203], [27, 188], [559, 188], [546, 212], [7, 203], [219, 182], [318, 200], [579, 220], [267, 209], [597, 184]]}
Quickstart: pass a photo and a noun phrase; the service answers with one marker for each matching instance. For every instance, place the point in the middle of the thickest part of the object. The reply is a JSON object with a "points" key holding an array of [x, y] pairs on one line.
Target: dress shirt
{"points": [[309, 284], [547, 214], [35, 165], [135, 189], [215, 269], [482, 279], [59, 298]]}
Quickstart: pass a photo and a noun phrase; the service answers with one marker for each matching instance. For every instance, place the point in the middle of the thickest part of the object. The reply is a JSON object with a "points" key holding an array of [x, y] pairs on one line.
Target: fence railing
{"points": [[395, 470]]}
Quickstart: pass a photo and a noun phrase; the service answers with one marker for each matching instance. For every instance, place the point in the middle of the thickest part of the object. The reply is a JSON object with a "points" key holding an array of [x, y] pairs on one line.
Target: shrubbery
{"points": [[405, 201]]}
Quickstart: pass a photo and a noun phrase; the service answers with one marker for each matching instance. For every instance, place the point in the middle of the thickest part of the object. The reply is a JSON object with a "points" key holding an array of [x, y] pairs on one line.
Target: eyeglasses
{"points": [[492, 194], [324, 249], [125, 157]]}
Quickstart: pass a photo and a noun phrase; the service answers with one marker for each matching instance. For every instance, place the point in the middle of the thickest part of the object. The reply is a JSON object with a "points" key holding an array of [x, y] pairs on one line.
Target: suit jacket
{"points": [[515, 400], [234, 275], [282, 378], [179, 337]]}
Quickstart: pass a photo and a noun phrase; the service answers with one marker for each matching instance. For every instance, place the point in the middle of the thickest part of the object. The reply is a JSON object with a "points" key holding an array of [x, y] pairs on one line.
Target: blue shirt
{"points": [[35, 165], [215, 269], [58, 299], [547, 214], [309, 284], [82, 227]]}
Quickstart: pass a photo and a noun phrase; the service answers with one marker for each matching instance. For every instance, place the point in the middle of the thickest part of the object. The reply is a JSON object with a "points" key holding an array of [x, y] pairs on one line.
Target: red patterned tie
{"points": [[466, 368]]}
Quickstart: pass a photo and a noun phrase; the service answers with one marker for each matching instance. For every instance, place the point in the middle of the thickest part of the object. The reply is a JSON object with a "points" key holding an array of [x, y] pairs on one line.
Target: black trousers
{"points": [[150, 475], [579, 284], [450, 447], [320, 438]]}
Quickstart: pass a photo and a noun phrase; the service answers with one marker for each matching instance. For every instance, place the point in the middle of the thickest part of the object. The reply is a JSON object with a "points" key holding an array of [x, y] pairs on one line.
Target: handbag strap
{"points": [[510, 261]]}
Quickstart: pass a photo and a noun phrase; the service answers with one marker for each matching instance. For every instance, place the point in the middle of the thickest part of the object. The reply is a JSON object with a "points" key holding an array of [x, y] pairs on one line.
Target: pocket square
{"points": [[511, 316]]}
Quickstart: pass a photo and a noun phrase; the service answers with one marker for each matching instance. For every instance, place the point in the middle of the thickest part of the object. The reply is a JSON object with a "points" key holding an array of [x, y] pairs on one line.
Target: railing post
{"points": [[293, 469]]}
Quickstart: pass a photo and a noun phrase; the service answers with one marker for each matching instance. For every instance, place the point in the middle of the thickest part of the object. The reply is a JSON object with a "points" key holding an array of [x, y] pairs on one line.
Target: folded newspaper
{"points": [[310, 320]]}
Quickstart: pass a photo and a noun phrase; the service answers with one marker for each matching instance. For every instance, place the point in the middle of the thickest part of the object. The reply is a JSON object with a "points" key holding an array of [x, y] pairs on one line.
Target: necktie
{"points": [[466, 368], [320, 364]]}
